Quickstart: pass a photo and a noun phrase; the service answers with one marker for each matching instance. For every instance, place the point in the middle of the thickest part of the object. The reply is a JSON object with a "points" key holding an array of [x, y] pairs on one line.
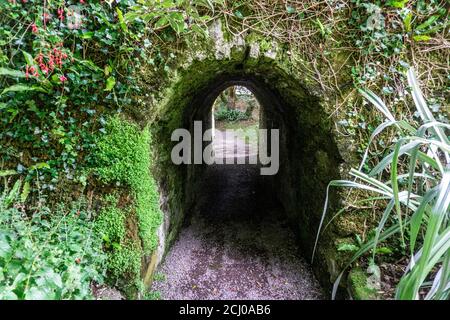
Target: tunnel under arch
{"points": [[309, 157]]}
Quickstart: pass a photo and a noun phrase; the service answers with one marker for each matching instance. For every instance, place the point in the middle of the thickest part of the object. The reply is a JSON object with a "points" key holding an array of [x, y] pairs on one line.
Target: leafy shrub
{"points": [[417, 195], [48, 254], [70, 59], [232, 115]]}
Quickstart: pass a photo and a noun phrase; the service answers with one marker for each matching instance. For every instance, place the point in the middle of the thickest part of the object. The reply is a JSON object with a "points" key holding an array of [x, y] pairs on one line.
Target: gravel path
{"points": [[236, 246]]}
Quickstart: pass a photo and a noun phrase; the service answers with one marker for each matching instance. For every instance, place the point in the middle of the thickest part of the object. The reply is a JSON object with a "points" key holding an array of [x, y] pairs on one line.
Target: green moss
{"points": [[148, 213], [125, 262], [358, 285], [110, 222], [122, 159], [123, 254]]}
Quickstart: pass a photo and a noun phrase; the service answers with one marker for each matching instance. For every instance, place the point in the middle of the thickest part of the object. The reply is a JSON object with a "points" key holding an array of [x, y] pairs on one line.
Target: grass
{"points": [[414, 180]]}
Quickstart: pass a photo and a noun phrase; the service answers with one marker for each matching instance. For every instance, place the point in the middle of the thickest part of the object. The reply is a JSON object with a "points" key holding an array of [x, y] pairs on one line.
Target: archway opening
{"points": [[235, 124]]}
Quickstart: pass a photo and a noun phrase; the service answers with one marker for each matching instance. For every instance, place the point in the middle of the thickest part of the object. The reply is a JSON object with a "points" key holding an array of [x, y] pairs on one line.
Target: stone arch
{"points": [[309, 157]]}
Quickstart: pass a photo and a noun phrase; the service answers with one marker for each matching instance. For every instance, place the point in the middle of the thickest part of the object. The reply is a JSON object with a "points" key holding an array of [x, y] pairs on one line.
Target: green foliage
{"points": [[124, 255], [232, 115], [39, 109], [123, 157], [61, 83], [64, 65], [384, 32], [152, 295], [355, 246], [178, 16], [48, 254], [414, 181], [159, 276], [125, 263], [360, 285], [120, 152], [110, 223]]}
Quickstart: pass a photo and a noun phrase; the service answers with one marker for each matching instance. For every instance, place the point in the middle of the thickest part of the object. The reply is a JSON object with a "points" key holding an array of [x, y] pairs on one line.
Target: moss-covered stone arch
{"points": [[308, 152]]}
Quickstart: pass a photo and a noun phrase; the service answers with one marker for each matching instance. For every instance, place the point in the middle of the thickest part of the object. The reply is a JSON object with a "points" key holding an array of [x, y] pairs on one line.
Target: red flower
{"points": [[61, 14], [30, 71], [45, 17], [44, 68], [34, 28], [40, 58], [82, 1], [63, 79], [34, 72]]}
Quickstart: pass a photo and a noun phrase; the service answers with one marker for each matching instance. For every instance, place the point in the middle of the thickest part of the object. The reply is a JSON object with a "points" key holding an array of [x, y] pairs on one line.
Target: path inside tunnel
{"points": [[236, 245]]}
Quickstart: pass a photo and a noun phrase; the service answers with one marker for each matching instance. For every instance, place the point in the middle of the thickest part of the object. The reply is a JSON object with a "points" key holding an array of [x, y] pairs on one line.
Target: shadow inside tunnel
{"points": [[237, 244]]}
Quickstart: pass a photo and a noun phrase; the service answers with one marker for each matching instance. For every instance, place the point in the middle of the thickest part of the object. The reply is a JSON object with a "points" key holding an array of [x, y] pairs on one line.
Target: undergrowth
{"points": [[48, 254], [413, 181]]}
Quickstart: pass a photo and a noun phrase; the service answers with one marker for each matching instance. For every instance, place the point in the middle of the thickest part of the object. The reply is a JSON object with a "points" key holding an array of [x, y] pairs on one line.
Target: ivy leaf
{"points": [[162, 22], [110, 83], [176, 21], [91, 65], [131, 16]]}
